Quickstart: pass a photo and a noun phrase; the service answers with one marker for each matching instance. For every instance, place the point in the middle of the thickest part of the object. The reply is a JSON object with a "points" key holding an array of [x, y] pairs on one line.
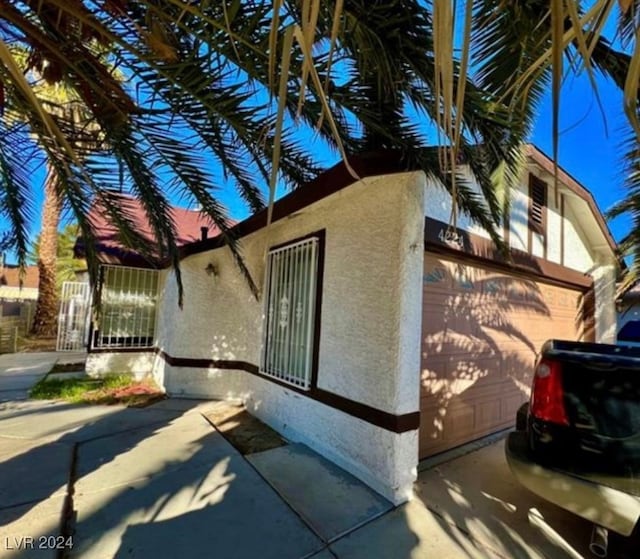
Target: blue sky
{"points": [[589, 149]]}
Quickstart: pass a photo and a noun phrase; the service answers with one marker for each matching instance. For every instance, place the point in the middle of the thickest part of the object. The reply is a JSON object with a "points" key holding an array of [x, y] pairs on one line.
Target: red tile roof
{"points": [[10, 276], [188, 224]]}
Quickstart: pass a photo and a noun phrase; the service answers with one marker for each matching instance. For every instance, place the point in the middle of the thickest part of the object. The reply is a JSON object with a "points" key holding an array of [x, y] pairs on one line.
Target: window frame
{"points": [[315, 324]]}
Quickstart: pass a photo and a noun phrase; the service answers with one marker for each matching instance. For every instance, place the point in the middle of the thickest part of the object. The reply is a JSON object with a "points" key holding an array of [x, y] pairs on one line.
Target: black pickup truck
{"points": [[577, 441]]}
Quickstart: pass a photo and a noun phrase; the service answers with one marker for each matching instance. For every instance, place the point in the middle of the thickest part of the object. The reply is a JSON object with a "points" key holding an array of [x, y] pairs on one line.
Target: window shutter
{"points": [[537, 205]]}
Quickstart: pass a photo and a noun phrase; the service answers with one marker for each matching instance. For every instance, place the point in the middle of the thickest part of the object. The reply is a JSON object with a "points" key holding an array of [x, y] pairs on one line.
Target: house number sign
{"points": [[451, 238]]}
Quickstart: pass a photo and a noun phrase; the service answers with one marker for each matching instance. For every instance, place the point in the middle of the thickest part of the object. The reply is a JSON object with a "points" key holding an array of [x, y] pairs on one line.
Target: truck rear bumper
{"points": [[602, 505]]}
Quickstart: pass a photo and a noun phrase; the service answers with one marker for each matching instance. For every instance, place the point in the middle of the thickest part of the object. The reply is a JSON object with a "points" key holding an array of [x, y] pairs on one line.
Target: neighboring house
{"points": [[379, 336], [190, 225], [628, 307], [128, 280], [18, 294]]}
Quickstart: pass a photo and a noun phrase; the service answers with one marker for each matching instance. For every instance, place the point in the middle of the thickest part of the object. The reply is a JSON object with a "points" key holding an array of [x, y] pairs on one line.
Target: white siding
{"points": [[576, 248], [519, 218], [554, 227], [576, 252]]}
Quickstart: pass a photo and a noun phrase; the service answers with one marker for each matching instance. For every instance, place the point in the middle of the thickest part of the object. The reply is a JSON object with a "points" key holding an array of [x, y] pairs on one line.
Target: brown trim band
{"points": [[385, 420], [483, 250], [121, 350], [207, 363]]}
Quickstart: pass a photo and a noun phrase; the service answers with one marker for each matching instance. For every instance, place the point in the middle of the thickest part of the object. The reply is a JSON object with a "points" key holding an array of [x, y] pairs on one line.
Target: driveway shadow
{"points": [[38, 450], [476, 495]]}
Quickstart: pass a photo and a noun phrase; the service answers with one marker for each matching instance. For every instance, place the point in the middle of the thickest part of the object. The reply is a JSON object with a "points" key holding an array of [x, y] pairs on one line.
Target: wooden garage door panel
{"points": [[481, 331]]}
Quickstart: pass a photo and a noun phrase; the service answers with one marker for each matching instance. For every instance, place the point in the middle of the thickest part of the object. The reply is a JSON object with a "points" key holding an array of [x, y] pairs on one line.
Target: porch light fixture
{"points": [[211, 270]]}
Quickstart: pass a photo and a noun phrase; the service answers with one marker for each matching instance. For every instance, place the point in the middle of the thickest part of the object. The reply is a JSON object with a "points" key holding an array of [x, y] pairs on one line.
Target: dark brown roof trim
{"points": [[328, 183], [572, 184], [479, 249], [385, 420], [114, 256]]}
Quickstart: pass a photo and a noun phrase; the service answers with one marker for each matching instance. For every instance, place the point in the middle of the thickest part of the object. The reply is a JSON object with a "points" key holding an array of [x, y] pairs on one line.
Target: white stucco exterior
{"points": [[371, 319], [369, 337], [576, 254], [140, 364], [437, 203], [604, 284]]}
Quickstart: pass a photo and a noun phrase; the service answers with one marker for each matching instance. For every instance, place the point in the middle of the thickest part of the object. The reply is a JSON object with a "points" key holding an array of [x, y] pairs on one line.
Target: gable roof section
{"points": [[546, 163], [380, 163], [111, 250]]}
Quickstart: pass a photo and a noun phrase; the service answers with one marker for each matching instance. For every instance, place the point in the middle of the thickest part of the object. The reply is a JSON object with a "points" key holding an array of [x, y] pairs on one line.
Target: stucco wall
{"points": [[437, 202], [576, 250], [604, 284], [140, 364], [370, 327], [554, 227]]}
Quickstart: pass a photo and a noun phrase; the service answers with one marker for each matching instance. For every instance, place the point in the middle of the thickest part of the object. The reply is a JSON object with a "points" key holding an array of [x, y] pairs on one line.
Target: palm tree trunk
{"points": [[45, 318]]}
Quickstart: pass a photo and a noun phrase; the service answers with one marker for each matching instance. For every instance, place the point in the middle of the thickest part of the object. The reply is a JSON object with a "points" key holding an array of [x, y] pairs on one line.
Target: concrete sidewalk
{"points": [[20, 371]]}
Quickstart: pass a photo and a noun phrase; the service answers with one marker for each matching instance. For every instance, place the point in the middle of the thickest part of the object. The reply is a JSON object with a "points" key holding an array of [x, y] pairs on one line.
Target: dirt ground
{"points": [[245, 432]]}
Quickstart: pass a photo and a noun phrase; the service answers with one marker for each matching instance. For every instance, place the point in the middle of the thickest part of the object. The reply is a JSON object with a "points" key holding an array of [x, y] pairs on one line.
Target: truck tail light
{"points": [[547, 395]]}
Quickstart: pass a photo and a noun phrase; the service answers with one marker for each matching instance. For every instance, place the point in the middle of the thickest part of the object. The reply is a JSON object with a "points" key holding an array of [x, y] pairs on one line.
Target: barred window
{"points": [[290, 312], [128, 301]]}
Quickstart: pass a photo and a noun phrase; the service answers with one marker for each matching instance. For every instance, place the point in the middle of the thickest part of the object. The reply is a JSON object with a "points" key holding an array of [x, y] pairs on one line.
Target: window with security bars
{"points": [[128, 303], [290, 311]]}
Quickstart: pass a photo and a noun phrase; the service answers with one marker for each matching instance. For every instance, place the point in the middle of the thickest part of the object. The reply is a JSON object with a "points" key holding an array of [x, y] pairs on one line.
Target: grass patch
{"points": [[111, 389]]}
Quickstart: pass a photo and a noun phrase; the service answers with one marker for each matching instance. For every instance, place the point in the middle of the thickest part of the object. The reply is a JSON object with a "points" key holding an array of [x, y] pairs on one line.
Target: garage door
{"points": [[481, 329]]}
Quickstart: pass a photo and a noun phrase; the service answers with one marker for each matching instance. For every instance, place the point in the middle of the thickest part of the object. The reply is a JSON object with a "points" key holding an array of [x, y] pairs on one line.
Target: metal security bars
{"points": [[290, 302], [74, 316], [128, 298]]}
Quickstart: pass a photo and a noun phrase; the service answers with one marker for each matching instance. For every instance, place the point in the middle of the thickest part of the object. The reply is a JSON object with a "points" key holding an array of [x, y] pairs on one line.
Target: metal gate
{"points": [[74, 317]]}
